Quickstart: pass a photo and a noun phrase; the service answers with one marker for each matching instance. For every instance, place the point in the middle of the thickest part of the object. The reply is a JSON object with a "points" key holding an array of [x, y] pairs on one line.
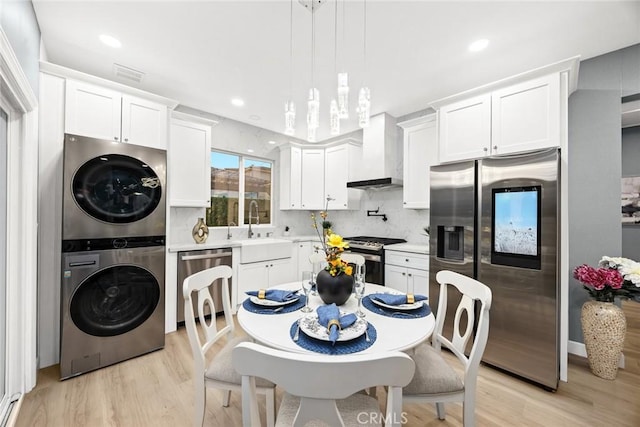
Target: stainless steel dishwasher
{"points": [[194, 261]]}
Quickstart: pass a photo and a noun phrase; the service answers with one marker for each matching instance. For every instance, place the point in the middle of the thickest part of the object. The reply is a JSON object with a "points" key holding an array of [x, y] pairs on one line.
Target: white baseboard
{"points": [[579, 349]]}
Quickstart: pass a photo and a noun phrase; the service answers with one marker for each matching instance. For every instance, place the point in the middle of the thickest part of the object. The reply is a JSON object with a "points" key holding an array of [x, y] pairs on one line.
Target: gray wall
{"points": [[631, 167], [595, 152], [18, 21]]}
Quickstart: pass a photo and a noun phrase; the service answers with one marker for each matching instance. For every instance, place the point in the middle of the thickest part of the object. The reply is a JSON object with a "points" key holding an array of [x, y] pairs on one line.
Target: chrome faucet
{"points": [[257, 217], [229, 224]]}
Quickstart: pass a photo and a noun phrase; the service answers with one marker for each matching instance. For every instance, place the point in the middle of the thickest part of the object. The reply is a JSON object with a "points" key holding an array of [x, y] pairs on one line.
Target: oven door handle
{"points": [[369, 257]]}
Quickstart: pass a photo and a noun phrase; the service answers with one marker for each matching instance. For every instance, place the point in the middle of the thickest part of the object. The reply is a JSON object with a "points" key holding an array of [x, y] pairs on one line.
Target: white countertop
{"points": [[209, 244], [223, 243], [408, 247]]}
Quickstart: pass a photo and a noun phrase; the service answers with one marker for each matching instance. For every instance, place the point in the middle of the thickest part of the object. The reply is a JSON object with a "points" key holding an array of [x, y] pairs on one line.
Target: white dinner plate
{"points": [[310, 326], [270, 303], [413, 306]]}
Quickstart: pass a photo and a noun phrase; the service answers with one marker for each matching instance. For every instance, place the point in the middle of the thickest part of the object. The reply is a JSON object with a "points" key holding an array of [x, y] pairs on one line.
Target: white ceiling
{"points": [[203, 53]]}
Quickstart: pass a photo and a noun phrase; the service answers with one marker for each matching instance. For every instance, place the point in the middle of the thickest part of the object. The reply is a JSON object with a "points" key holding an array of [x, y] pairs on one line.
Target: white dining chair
{"points": [[219, 372], [318, 261], [435, 381], [321, 387], [352, 258]]}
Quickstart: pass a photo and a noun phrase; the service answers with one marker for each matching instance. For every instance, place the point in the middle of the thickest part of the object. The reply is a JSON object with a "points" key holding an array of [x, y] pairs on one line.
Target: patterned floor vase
{"points": [[604, 327]]}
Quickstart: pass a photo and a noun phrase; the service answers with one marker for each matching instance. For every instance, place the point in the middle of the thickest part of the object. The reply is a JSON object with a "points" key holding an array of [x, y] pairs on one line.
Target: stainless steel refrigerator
{"points": [[497, 220]]}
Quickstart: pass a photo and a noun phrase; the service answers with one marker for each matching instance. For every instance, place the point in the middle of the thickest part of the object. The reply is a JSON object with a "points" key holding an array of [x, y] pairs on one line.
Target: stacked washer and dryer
{"points": [[113, 253]]}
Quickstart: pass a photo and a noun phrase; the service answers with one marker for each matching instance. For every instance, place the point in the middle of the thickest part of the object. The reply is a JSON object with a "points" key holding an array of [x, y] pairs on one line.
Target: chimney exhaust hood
{"points": [[379, 168]]}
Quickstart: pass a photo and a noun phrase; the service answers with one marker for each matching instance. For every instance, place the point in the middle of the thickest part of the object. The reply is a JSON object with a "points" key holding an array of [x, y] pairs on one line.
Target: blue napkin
{"points": [[275, 295], [392, 299], [326, 313]]}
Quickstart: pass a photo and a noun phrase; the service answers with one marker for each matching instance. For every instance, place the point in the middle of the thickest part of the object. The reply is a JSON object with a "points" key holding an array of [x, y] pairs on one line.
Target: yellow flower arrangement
{"points": [[333, 245]]}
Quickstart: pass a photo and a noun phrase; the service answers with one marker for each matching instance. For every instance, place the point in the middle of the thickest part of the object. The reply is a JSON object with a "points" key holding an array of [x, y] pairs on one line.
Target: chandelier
{"points": [[339, 104]]}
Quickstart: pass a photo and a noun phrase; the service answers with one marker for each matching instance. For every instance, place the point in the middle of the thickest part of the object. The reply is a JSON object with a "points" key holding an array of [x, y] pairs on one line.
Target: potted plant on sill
{"points": [[603, 322]]}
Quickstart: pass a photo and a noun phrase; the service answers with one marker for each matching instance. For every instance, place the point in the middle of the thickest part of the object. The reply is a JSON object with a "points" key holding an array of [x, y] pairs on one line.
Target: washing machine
{"points": [[112, 301], [112, 189]]}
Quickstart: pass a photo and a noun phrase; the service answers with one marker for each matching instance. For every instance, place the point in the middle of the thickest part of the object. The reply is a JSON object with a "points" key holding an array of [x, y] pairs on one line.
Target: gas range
{"points": [[372, 249], [369, 243]]}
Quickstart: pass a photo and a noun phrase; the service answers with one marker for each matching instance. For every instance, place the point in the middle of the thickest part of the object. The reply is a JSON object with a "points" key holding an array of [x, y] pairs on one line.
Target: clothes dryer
{"points": [[112, 301], [112, 189]]}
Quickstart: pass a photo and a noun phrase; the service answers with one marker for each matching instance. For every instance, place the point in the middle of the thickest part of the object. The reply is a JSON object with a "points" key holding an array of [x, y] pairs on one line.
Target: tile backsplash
{"points": [[402, 223]]}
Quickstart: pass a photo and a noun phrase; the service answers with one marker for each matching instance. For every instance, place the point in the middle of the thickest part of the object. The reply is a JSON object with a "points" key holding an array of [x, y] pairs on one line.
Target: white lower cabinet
{"points": [[407, 272], [264, 274]]}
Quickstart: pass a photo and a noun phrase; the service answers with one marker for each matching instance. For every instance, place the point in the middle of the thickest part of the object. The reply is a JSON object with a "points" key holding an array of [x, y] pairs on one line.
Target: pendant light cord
{"points": [[313, 47], [291, 50], [335, 38], [364, 42]]}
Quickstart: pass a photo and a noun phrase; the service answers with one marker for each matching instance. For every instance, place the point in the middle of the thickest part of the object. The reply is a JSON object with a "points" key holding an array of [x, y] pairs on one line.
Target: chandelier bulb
{"points": [[364, 107], [334, 117], [343, 95], [289, 118]]}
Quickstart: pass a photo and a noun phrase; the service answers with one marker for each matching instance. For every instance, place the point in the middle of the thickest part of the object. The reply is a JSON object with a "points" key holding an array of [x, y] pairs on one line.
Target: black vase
{"points": [[334, 289]]}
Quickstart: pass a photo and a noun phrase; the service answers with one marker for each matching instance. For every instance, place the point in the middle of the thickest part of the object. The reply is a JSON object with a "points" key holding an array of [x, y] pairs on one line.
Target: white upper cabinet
{"points": [[290, 177], [312, 195], [144, 122], [526, 116], [104, 113], [521, 113], [340, 163], [92, 111], [465, 129], [309, 175], [189, 161], [420, 153]]}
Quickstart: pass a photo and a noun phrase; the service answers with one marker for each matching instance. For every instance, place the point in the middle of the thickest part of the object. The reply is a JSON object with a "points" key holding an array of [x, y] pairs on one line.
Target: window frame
{"points": [[241, 187]]}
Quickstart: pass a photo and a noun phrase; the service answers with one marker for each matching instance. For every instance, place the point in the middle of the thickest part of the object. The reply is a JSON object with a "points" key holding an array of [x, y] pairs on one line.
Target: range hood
{"points": [[380, 167]]}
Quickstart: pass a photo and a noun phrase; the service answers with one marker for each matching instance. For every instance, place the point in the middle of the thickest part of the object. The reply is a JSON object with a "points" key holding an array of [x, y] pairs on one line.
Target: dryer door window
{"points": [[116, 189], [115, 300]]}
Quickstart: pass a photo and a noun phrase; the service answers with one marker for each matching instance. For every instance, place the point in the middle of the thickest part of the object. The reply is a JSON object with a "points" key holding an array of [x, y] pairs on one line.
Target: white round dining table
{"points": [[393, 333]]}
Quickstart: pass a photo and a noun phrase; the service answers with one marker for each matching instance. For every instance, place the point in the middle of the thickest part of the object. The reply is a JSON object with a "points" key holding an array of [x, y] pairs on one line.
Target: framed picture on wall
{"points": [[630, 199]]}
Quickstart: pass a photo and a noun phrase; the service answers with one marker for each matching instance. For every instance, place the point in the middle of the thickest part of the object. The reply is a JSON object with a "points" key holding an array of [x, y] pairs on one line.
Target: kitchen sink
{"points": [[254, 250]]}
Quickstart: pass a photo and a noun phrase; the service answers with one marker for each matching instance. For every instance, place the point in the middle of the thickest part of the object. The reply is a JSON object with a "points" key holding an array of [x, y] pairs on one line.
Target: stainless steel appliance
{"points": [[194, 261], [372, 249], [112, 301], [497, 219], [112, 189]]}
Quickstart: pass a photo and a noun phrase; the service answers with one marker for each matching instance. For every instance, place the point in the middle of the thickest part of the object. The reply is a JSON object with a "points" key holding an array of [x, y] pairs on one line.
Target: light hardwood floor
{"points": [[156, 390]]}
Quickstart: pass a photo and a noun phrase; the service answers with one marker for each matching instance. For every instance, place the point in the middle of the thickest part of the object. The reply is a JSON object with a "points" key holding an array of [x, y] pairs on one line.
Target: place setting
{"points": [[399, 305], [330, 330], [273, 301]]}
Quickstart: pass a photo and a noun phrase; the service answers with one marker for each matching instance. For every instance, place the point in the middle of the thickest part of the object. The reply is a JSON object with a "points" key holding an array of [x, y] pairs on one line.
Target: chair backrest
{"points": [[199, 286], [352, 258], [471, 290], [318, 260], [319, 379]]}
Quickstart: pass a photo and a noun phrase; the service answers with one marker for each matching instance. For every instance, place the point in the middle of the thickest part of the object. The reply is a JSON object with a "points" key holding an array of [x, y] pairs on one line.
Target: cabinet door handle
{"points": [[485, 149], [404, 274], [115, 138], [126, 140], [495, 147], [410, 275]]}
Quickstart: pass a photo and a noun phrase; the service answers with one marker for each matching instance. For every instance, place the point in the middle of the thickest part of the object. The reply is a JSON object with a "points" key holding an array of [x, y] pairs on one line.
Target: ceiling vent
{"points": [[127, 73]]}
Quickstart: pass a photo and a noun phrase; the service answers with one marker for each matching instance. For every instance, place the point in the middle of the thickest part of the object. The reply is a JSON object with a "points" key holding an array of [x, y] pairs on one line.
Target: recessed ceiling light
{"points": [[250, 150], [110, 41], [237, 102], [254, 117], [478, 45], [272, 142]]}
